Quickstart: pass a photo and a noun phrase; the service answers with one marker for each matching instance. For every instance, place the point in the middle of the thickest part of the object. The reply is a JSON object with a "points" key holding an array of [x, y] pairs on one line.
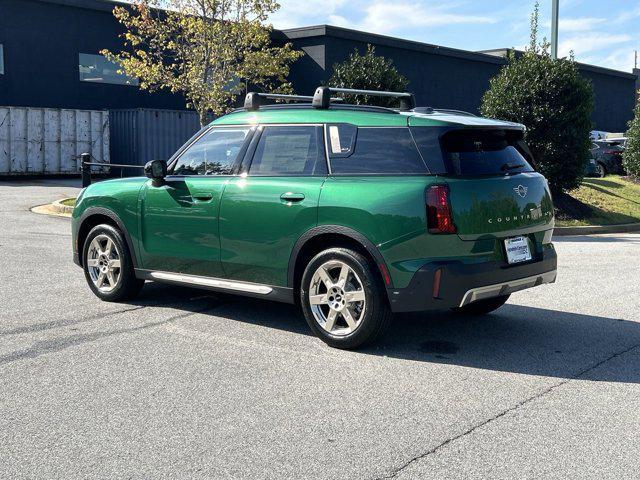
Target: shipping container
{"points": [[139, 135], [36, 141]]}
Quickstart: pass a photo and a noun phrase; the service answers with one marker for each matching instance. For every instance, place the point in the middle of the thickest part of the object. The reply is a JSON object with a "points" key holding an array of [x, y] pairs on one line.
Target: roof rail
{"points": [[322, 96], [456, 112], [253, 100], [431, 111]]}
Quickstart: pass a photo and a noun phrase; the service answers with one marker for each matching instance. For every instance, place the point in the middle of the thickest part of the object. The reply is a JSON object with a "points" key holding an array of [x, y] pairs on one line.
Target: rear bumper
{"points": [[461, 284]]}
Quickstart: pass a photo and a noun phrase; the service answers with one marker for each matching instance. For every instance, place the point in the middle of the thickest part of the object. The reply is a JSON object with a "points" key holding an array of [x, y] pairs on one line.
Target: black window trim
{"points": [[236, 164], [245, 167], [427, 172]]}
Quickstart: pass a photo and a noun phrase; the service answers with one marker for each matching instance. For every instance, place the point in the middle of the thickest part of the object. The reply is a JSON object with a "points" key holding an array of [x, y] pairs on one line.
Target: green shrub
{"points": [[631, 155], [554, 102], [368, 72]]}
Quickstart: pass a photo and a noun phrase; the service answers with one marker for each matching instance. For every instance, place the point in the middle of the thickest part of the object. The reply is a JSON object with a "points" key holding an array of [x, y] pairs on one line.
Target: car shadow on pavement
{"points": [[516, 338]]}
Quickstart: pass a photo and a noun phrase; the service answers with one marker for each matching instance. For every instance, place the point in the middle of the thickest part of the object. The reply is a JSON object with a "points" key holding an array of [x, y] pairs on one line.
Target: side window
{"points": [[214, 153], [341, 139], [289, 150], [380, 151]]}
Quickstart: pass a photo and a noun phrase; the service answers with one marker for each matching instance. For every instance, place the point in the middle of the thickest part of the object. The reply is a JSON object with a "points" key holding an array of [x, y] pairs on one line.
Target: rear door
{"points": [[494, 189], [265, 210]]}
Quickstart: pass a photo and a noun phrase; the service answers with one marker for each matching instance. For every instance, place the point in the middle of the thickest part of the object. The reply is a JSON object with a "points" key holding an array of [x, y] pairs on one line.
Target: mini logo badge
{"points": [[521, 190]]}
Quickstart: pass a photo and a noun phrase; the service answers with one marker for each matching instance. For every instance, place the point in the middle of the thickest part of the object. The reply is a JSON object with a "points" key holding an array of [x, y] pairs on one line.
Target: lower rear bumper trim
{"points": [[505, 288]]}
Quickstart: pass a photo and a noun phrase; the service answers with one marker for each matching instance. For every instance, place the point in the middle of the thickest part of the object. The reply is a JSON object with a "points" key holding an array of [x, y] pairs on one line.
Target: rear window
{"points": [[373, 150], [484, 152]]}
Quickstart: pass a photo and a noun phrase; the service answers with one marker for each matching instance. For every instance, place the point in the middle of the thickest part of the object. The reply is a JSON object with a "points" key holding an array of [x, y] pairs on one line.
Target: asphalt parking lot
{"points": [[186, 384]]}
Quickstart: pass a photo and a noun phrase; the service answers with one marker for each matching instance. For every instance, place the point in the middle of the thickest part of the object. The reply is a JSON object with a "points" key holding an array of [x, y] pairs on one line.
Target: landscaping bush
{"points": [[554, 102], [368, 72], [631, 155]]}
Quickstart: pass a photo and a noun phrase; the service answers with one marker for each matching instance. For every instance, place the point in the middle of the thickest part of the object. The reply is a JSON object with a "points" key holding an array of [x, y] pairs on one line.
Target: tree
{"points": [[553, 101], [631, 155], [368, 72], [208, 50]]}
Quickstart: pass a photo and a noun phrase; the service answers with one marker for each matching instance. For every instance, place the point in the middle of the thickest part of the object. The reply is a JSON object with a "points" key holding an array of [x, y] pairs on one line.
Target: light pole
{"points": [[555, 12]]}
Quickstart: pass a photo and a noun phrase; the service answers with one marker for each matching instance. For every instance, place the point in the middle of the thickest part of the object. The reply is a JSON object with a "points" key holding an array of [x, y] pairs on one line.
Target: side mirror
{"points": [[156, 169]]}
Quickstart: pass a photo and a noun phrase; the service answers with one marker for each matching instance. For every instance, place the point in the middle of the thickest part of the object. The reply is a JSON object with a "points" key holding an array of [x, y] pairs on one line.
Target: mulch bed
{"points": [[568, 208]]}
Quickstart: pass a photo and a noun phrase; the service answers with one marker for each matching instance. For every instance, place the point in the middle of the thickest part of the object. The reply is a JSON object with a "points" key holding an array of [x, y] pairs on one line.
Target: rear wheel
{"points": [[108, 266], [482, 307], [342, 299], [601, 170]]}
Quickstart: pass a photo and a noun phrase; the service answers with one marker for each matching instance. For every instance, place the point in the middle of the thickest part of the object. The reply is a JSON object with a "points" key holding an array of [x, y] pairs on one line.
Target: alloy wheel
{"points": [[104, 263], [337, 298]]}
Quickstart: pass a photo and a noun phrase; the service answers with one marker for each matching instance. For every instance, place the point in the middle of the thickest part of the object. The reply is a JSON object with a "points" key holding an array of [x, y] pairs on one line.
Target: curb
{"points": [[55, 209], [59, 207], [596, 229]]}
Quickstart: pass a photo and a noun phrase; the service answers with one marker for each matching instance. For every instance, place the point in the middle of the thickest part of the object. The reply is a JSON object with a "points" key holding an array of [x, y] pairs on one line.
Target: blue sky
{"points": [[599, 32]]}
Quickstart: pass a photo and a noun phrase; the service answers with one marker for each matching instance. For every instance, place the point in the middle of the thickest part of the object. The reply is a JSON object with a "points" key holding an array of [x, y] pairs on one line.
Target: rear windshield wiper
{"points": [[511, 166]]}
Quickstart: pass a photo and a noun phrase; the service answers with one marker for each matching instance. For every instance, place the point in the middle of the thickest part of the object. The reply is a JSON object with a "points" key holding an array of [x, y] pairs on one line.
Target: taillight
{"points": [[612, 152], [439, 218]]}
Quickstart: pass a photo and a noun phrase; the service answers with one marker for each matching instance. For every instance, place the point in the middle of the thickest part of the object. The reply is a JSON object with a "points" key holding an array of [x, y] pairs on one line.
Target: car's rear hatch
{"points": [[493, 188]]}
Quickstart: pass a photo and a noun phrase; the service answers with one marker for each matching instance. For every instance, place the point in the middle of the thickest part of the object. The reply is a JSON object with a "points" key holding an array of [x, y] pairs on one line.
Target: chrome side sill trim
{"points": [[490, 291], [211, 282]]}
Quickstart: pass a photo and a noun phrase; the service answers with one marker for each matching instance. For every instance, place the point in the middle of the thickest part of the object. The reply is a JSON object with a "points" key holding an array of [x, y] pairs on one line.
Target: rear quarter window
{"points": [[373, 150]]}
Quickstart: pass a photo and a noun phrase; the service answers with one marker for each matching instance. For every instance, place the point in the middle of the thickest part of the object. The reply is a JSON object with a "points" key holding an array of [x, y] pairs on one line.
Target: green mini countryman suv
{"points": [[352, 212]]}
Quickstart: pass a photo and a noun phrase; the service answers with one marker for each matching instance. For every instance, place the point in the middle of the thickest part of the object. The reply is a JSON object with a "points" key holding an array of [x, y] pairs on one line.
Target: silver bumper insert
{"points": [[490, 291]]}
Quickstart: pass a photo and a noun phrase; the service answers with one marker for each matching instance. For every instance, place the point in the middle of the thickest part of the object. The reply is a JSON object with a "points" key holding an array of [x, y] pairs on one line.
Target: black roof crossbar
{"points": [[254, 100], [322, 96]]}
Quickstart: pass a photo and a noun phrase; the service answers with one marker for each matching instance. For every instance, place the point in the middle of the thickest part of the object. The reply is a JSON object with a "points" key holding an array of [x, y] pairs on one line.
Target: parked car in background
{"points": [[606, 157], [352, 212], [598, 135]]}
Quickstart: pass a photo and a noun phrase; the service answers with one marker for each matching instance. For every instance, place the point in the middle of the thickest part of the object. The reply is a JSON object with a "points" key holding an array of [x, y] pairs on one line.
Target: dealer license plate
{"points": [[518, 249]]}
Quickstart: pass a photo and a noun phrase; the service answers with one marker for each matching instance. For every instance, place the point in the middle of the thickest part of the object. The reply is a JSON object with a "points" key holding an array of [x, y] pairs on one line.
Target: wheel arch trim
{"points": [[93, 211], [339, 230]]}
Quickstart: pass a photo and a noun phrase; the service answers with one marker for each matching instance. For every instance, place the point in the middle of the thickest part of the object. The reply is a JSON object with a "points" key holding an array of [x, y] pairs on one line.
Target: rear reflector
{"points": [[385, 274], [437, 276], [439, 218]]}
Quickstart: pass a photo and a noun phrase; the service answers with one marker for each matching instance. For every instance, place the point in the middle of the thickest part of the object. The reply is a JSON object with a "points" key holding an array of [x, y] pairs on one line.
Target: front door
{"points": [[179, 217], [263, 213]]}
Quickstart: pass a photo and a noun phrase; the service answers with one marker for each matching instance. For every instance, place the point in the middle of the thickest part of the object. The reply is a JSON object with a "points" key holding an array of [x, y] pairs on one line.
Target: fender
{"points": [[341, 230], [119, 223]]}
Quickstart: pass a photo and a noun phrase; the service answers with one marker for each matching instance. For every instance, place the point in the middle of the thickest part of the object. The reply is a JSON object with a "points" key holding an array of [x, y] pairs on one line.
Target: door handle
{"points": [[203, 197], [292, 197]]}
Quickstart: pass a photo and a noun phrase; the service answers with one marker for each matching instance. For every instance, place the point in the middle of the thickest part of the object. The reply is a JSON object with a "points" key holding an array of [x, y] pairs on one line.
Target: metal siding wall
{"points": [[48, 141], [140, 135]]}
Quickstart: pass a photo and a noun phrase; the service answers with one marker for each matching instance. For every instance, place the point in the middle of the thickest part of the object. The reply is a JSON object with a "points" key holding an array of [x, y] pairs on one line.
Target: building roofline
{"points": [[358, 35], [488, 56], [100, 5], [495, 55], [502, 52]]}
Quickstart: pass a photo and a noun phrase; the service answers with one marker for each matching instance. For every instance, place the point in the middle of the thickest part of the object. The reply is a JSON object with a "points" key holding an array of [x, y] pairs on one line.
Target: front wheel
{"points": [[343, 300], [483, 307], [108, 266]]}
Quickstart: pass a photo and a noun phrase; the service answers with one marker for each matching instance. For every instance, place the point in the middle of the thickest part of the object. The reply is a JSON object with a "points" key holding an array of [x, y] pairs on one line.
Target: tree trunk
{"points": [[203, 118]]}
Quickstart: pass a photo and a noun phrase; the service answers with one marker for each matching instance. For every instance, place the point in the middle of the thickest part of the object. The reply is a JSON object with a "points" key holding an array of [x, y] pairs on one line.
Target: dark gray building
{"points": [[446, 77], [49, 57]]}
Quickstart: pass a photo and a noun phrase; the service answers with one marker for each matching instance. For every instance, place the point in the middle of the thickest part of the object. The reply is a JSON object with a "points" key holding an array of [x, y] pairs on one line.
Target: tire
{"points": [[328, 316], [103, 248], [483, 307], [601, 170]]}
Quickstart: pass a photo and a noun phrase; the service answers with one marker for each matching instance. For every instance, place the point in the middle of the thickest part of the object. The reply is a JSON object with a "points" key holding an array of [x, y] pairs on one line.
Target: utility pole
{"points": [[555, 13]]}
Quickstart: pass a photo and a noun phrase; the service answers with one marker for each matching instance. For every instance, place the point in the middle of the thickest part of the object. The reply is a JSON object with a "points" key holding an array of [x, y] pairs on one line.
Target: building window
{"points": [[96, 68], [1, 59]]}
